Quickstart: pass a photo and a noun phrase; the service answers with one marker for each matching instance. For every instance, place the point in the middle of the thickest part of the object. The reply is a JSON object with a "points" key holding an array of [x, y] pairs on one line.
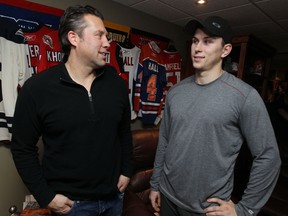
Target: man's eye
{"points": [[194, 41], [99, 34]]}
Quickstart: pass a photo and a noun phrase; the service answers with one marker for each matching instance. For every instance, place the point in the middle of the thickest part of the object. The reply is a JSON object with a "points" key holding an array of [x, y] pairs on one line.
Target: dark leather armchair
{"points": [[136, 199]]}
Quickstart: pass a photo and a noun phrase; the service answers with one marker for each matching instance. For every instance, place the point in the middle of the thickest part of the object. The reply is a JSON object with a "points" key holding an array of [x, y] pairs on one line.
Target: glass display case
{"points": [[250, 61]]}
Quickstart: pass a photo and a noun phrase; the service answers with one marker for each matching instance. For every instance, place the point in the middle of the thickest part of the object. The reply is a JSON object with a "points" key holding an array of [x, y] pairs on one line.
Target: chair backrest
{"points": [[144, 148]]}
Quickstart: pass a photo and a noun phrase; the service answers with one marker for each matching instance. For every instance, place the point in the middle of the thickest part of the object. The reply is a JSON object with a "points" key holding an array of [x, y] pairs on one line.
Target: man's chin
{"points": [[197, 67], [101, 63]]}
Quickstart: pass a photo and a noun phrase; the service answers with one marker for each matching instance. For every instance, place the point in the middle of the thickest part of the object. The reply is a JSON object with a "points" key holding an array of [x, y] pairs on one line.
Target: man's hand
{"points": [[155, 200], [225, 208], [60, 204], [123, 182]]}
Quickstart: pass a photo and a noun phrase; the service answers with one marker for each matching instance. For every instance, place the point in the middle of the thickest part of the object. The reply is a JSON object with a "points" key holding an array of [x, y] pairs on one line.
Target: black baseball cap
{"points": [[213, 25]]}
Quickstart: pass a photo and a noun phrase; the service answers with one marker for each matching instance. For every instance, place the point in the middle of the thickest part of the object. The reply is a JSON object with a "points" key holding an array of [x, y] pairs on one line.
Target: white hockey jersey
{"points": [[15, 69], [130, 58]]}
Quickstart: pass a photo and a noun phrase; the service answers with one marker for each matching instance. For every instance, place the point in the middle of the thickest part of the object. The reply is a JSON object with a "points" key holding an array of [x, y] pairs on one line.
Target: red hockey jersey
{"points": [[44, 47]]}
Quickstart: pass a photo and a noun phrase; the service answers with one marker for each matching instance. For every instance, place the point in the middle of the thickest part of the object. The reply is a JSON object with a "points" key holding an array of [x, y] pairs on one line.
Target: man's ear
{"points": [[73, 37], [226, 50]]}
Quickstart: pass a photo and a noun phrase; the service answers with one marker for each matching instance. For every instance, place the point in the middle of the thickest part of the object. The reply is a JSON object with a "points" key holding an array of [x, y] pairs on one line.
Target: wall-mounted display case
{"points": [[250, 61]]}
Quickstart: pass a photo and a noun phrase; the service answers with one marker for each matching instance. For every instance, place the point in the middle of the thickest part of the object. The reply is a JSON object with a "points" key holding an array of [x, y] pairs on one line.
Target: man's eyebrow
{"points": [[207, 37], [213, 37], [210, 38], [99, 31], [102, 32]]}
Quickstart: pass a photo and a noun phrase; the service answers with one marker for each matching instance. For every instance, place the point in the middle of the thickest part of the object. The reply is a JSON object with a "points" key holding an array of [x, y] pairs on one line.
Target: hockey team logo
{"points": [[20, 33], [48, 40]]}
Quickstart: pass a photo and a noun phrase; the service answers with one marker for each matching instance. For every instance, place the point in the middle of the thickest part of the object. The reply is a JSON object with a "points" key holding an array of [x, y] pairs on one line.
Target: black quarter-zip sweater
{"points": [[86, 135]]}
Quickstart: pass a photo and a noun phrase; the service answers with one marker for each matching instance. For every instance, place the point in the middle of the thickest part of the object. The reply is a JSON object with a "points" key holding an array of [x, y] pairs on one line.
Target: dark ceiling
{"points": [[265, 19]]}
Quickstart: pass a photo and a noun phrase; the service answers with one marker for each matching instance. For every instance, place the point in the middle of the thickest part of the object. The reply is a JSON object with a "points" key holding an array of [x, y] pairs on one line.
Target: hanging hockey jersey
{"points": [[114, 59], [34, 40], [130, 58], [50, 50], [173, 66], [15, 69], [125, 61], [150, 82], [44, 47]]}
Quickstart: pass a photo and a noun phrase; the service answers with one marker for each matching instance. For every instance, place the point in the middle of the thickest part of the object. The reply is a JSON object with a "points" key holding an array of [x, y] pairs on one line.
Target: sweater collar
{"points": [[66, 77]]}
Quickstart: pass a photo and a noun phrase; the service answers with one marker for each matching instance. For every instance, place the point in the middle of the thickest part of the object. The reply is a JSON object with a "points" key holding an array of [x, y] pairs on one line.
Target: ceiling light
{"points": [[201, 2]]}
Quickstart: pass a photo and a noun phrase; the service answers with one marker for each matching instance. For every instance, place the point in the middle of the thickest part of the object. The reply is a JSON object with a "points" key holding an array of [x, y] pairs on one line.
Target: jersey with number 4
{"points": [[150, 83]]}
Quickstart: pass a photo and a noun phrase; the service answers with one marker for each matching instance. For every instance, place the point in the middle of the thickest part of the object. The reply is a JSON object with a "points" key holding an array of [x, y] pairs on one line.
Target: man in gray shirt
{"points": [[207, 118]]}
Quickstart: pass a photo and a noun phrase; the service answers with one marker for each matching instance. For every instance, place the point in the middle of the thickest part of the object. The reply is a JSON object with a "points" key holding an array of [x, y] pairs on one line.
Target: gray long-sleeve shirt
{"points": [[201, 134]]}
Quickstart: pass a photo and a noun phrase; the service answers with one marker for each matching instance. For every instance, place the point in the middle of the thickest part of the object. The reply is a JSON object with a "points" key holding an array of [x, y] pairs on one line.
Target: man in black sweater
{"points": [[81, 109]]}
